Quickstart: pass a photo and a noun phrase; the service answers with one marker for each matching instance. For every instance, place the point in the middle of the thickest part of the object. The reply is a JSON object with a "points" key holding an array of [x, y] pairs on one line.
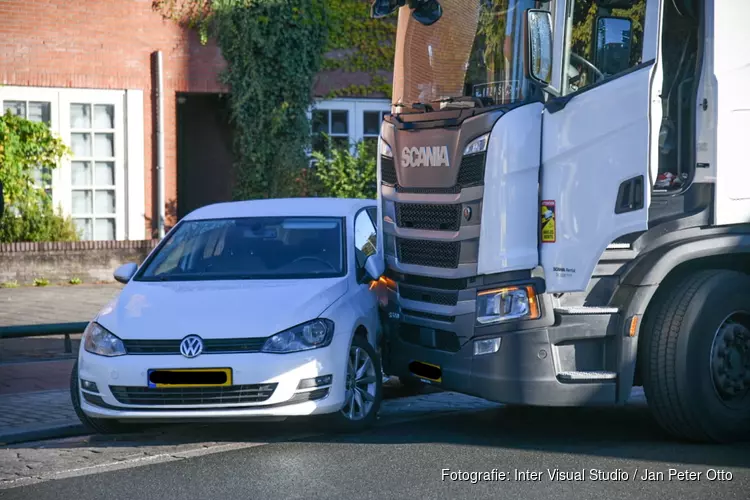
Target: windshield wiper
{"points": [[466, 98], [426, 108]]}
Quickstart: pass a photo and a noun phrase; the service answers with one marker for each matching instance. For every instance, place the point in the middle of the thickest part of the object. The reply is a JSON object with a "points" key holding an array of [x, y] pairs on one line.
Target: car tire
{"points": [[96, 425], [341, 421], [683, 351]]}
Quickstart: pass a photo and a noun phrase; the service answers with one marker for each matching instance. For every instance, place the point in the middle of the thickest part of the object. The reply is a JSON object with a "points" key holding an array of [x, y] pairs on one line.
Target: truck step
{"points": [[583, 310], [619, 246], [586, 376]]}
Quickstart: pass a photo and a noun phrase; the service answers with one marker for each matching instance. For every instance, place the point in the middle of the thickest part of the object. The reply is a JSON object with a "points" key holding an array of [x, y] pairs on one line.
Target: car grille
{"points": [[387, 170], [433, 297], [443, 340], [472, 170], [146, 396], [210, 346], [429, 253], [427, 216]]}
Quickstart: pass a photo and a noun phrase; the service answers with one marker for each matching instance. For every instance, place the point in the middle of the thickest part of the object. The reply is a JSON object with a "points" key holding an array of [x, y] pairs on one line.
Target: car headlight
{"points": [[311, 335], [385, 149], [99, 340], [478, 145], [506, 304]]}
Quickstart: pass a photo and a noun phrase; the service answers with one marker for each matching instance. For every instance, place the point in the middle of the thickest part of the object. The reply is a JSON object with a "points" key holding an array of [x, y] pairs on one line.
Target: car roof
{"points": [[282, 207]]}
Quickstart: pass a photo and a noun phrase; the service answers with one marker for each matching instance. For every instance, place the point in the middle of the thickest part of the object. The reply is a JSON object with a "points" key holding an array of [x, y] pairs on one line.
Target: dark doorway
{"points": [[204, 151]]}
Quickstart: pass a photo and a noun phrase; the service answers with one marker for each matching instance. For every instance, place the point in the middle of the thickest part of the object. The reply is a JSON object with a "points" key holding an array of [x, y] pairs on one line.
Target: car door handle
{"points": [[630, 195]]}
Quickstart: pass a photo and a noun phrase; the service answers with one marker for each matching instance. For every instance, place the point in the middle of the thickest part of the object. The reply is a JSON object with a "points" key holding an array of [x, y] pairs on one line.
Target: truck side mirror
{"points": [[539, 30], [613, 44], [2, 200]]}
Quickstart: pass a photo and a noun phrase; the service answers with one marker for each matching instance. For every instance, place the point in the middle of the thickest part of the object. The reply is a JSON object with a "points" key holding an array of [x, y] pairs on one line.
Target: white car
{"points": [[263, 308]]}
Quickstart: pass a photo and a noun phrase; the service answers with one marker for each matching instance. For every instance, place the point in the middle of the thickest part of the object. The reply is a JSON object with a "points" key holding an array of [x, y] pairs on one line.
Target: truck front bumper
{"points": [[531, 366]]}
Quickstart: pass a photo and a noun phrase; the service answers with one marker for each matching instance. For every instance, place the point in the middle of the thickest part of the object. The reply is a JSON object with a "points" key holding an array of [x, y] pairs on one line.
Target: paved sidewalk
{"points": [[54, 304]]}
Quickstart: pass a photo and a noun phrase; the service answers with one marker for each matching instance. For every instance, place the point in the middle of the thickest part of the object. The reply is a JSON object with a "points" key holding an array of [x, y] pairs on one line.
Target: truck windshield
{"points": [[475, 50], [250, 248]]}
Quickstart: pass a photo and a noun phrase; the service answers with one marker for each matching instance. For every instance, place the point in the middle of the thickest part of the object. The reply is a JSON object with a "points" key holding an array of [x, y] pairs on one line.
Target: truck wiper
{"points": [[476, 100], [417, 105]]}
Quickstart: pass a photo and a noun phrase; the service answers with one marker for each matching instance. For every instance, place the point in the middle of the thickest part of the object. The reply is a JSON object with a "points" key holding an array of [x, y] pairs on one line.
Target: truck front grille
{"points": [[431, 296], [442, 340], [445, 254], [145, 396], [472, 170], [387, 170], [430, 217]]}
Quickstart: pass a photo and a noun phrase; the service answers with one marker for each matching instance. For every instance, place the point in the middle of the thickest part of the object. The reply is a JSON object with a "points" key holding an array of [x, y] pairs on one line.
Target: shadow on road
{"points": [[624, 432]]}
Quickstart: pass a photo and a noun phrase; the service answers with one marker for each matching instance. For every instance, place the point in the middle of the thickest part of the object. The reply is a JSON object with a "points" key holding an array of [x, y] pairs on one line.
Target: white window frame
{"points": [[129, 149], [356, 109]]}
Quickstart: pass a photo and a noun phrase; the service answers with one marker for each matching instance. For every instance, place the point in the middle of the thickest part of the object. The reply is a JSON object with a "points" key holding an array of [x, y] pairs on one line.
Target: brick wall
{"points": [[90, 261], [107, 44]]}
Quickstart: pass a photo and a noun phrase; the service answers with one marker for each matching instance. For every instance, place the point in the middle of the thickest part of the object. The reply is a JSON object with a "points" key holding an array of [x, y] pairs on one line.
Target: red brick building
{"points": [[88, 68]]}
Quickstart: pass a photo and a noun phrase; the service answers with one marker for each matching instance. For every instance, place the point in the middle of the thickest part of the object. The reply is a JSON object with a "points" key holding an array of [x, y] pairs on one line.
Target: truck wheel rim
{"points": [[360, 385], [730, 361]]}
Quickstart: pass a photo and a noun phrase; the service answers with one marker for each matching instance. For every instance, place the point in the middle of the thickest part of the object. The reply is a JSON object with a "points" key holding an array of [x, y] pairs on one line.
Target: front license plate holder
{"points": [[188, 377], [426, 372]]}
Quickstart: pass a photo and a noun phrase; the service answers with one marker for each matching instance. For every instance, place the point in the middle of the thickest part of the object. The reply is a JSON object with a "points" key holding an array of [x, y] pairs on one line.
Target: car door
{"points": [[599, 144], [365, 247]]}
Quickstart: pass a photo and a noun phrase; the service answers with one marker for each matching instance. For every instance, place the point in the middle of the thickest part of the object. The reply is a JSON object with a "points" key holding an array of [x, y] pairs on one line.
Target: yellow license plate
{"points": [[427, 372], [189, 377]]}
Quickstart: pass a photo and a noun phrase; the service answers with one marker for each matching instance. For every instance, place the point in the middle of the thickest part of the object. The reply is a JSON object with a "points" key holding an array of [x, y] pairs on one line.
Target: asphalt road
{"points": [[409, 460]]}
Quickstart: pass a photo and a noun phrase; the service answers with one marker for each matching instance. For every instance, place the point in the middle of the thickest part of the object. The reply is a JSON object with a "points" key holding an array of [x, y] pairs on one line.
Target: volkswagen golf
{"points": [[253, 309]]}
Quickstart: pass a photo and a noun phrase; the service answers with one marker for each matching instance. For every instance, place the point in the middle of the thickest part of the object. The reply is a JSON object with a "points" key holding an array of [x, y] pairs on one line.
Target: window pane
{"points": [[84, 228], [82, 202], [104, 229], [320, 144], [39, 112], [105, 202], [105, 173], [104, 116], [320, 122], [340, 142], [81, 144], [18, 108], [340, 122], [105, 145], [80, 173], [372, 123], [80, 116]]}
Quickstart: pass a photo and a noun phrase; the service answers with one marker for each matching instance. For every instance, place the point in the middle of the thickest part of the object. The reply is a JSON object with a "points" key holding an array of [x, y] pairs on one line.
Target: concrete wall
{"points": [[89, 261]]}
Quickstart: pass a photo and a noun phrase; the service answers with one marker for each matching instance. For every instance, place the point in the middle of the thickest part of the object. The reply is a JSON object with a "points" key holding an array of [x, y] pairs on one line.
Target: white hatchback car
{"points": [[263, 308]]}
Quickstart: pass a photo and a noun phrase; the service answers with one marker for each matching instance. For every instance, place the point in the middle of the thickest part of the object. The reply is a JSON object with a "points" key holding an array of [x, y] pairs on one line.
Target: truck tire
{"points": [[695, 353]]}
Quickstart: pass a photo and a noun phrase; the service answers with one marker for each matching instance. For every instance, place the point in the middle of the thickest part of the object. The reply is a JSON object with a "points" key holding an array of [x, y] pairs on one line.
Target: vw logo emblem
{"points": [[191, 346]]}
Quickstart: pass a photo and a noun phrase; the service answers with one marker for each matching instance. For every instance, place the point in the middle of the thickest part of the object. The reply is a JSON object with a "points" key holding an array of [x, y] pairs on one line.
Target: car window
{"points": [[250, 248], [365, 237]]}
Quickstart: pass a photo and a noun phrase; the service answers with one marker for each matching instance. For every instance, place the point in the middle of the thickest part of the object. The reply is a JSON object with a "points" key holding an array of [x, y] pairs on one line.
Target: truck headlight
{"points": [[506, 304], [385, 149], [478, 145], [311, 335], [99, 340]]}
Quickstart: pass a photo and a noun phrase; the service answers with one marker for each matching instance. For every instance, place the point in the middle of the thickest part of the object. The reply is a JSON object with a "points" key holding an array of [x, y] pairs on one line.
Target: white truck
{"points": [[564, 196]]}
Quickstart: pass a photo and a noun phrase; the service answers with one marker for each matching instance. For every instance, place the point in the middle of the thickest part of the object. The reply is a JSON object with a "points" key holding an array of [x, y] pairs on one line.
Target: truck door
{"points": [[599, 137]]}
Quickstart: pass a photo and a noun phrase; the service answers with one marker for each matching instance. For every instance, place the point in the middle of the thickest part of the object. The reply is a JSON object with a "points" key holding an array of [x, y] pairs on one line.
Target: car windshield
{"points": [[476, 49], [250, 248]]}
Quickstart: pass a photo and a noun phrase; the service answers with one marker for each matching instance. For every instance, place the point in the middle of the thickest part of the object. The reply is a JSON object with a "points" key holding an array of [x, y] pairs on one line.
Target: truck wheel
{"points": [[696, 357], [97, 425]]}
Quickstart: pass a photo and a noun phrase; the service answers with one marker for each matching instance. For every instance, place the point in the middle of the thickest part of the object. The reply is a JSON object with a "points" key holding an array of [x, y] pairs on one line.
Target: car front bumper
{"points": [[123, 392]]}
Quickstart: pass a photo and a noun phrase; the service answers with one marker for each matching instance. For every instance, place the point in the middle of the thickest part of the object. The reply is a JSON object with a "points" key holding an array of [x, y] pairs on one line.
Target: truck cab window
{"points": [[603, 43]]}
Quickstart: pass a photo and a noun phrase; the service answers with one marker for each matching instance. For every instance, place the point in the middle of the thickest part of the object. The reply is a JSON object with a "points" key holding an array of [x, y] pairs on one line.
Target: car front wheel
{"points": [[364, 386]]}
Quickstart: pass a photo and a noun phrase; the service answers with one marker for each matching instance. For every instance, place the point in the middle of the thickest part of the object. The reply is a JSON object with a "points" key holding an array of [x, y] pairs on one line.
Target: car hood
{"points": [[217, 309]]}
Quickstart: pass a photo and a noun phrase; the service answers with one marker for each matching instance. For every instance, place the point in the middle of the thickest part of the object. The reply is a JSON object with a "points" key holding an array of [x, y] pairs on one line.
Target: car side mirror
{"points": [[125, 272], [375, 266], [2, 200], [539, 32], [613, 44]]}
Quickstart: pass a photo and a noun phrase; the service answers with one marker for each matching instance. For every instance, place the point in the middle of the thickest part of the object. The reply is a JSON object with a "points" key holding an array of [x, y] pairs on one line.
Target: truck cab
{"points": [[564, 205]]}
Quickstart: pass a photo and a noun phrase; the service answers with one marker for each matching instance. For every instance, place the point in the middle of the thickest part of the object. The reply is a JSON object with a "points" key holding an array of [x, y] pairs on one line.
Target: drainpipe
{"points": [[159, 95]]}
